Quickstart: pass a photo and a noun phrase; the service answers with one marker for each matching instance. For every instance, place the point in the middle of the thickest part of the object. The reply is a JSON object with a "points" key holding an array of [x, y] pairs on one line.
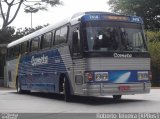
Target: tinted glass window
{"points": [[16, 50], [10, 52], [57, 37], [24, 47], [46, 41], [61, 35], [114, 36], [34, 44]]}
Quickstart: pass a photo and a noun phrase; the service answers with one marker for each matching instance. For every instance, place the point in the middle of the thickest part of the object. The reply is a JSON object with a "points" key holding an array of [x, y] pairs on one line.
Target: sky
{"points": [[55, 14]]}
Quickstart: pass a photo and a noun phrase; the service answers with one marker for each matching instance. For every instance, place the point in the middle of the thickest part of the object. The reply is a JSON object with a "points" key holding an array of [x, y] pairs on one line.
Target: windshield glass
{"points": [[113, 36]]}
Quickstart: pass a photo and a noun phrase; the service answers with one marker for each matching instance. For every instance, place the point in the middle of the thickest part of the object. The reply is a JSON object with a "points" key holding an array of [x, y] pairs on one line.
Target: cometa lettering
{"points": [[39, 60], [117, 55]]}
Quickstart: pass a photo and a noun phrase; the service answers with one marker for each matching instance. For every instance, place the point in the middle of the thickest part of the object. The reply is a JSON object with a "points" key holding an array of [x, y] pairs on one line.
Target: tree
{"points": [[147, 9], [8, 18], [10, 34], [153, 47], [6, 35], [23, 32]]}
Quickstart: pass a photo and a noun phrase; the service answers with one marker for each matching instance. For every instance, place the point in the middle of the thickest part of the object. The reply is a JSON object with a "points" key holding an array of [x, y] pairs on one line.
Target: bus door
{"points": [[77, 60]]}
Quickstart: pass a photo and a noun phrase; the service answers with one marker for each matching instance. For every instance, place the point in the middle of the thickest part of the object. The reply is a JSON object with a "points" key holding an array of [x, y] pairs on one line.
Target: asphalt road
{"points": [[11, 102]]}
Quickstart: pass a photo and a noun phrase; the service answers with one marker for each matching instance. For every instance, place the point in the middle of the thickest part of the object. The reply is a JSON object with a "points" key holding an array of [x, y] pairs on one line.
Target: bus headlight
{"points": [[101, 76], [143, 75]]}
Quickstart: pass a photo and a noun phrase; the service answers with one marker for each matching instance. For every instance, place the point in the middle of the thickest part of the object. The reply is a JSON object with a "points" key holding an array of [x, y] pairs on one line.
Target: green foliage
{"points": [[154, 49], [153, 36], [6, 6], [41, 5], [53, 2], [23, 32], [10, 34], [6, 35], [147, 9]]}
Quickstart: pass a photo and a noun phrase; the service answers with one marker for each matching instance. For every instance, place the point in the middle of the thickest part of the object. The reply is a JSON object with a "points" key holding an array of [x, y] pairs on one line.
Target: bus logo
{"points": [[39, 60], [117, 55]]}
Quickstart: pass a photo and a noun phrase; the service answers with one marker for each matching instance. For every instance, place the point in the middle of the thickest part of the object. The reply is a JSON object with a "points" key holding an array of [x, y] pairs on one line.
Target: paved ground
{"points": [[12, 102], [52, 105]]}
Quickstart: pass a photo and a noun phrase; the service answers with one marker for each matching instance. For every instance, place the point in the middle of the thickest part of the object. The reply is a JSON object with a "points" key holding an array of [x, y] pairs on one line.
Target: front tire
{"points": [[66, 90], [19, 89], [117, 97]]}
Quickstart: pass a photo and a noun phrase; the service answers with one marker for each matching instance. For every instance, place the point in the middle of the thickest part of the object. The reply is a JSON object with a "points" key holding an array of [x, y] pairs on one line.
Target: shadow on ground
{"points": [[82, 99]]}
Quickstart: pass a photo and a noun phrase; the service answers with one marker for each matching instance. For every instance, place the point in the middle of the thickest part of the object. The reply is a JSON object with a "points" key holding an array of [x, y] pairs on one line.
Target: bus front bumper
{"points": [[102, 89]]}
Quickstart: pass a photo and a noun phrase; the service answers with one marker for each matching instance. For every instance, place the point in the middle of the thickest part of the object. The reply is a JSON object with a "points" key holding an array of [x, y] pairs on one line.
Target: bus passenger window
{"points": [[34, 44], [24, 46], [61, 35], [16, 50], [57, 37], [46, 41], [10, 53]]}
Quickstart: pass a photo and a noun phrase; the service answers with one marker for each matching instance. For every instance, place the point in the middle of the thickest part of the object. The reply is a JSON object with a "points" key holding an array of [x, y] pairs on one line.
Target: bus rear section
{"points": [[115, 56], [116, 76]]}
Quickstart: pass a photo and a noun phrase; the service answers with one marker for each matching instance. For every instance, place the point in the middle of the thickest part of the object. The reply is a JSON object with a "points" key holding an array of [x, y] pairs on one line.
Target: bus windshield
{"points": [[113, 36]]}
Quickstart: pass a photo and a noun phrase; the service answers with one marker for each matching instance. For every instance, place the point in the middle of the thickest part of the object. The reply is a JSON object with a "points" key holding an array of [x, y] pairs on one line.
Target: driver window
{"points": [[76, 46]]}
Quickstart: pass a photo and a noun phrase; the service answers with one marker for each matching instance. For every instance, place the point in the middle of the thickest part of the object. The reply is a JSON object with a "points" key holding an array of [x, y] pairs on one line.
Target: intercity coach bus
{"points": [[89, 54]]}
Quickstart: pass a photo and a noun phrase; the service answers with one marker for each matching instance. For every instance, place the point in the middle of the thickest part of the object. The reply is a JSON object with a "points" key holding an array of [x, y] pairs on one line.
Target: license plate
{"points": [[124, 88]]}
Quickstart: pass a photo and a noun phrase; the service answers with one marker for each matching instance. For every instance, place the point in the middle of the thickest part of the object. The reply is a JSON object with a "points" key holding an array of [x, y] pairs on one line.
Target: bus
{"points": [[89, 54]]}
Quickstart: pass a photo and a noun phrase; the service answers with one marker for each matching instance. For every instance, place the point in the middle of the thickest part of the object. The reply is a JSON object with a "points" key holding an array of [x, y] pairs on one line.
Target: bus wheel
{"points": [[66, 90], [18, 87], [117, 97]]}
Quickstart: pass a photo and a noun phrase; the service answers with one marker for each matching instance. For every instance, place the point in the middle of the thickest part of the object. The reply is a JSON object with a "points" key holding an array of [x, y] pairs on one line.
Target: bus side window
{"points": [[61, 35], [35, 44], [53, 37], [16, 51], [9, 53], [46, 40], [24, 47], [76, 45], [57, 37]]}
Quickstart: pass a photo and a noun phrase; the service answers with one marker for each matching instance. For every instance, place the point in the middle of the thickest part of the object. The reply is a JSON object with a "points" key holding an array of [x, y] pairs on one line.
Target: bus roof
{"points": [[84, 16], [37, 33]]}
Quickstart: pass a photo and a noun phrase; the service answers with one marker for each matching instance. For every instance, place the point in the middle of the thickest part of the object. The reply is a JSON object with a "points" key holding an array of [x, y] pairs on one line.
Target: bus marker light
{"points": [[101, 76], [143, 75]]}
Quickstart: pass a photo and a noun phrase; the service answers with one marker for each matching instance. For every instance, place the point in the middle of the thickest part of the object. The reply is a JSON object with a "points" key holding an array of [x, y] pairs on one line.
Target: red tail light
{"points": [[89, 76]]}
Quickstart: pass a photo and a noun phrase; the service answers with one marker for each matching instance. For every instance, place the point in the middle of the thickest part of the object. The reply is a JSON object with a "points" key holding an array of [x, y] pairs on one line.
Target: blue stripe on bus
{"points": [[41, 76]]}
